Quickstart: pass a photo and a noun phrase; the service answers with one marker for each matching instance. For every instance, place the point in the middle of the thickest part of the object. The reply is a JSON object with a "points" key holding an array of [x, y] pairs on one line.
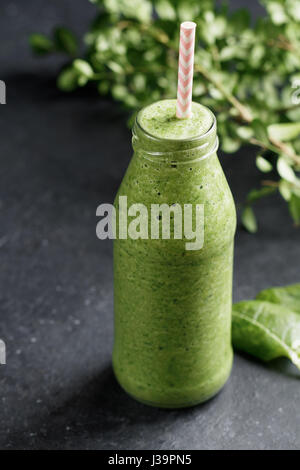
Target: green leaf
{"points": [[240, 19], [288, 296], [266, 330], [65, 40], [115, 67], [82, 80], [260, 131], [277, 12], [285, 190], [83, 68], [293, 8], [130, 101], [263, 164], [256, 194], [230, 145], [284, 132], [41, 44], [244, 132], [285, 170], [139, 83], [138, 9], [119, 92], [188, 10], [68, 79], [249, 220], [294, 208], [257, 54], [165, 9], [104, 87], [228, 52]]}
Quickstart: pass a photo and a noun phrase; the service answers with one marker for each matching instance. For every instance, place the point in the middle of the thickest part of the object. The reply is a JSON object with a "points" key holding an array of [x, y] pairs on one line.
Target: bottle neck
{"points": [[179, 151]]}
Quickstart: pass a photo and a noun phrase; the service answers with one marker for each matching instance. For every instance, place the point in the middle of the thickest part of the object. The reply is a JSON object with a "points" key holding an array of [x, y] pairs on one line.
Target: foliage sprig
{"points": [[247, 72]]}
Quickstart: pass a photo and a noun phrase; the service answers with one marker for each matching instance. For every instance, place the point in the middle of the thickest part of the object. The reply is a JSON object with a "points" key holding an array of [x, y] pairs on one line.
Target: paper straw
{"points": [[185, 69]]}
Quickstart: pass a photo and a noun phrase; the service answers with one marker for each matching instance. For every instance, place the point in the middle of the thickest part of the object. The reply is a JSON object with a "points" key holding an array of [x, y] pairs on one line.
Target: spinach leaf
{"points": [[288, 296], [266, 330]]}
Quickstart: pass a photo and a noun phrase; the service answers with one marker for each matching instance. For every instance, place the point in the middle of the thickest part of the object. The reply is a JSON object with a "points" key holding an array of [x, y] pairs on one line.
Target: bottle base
{"points": [[175, 406], [207, 392]]}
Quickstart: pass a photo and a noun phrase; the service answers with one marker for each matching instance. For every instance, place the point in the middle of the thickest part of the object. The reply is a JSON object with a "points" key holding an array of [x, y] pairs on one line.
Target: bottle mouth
{"points": [[179, 151], [202, 135]]}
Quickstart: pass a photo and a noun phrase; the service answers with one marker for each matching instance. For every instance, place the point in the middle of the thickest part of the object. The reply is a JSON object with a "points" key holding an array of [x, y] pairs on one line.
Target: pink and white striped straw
{"points": [[185, 69]]}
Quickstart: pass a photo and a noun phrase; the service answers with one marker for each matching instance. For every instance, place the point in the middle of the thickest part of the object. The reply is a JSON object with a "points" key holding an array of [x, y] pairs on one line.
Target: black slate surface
{"points": [[60, 157]]}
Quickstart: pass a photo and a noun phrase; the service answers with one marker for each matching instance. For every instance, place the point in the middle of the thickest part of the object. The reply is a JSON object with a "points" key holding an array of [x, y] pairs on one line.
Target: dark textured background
{"points": [[62, 155]]}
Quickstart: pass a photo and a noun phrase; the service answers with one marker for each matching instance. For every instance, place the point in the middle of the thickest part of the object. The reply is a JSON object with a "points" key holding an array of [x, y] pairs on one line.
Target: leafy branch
{"points": [[246, 72], [243, 111]]}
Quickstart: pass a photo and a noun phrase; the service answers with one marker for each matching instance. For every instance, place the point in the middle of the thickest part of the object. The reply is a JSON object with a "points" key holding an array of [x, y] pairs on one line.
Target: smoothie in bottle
{"points": [[172, 345]]}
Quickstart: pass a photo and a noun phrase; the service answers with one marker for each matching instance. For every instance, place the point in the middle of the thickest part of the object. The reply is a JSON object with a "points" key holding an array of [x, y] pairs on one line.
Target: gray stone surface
{"points": [[60, 157]]}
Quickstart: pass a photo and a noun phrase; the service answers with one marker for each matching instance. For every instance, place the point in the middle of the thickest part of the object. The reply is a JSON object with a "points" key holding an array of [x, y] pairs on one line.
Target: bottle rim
{"points": [[177, 151], [203, 136]]}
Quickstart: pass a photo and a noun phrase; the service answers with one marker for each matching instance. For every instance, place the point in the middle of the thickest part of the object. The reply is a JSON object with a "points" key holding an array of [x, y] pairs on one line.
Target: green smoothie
{"points": [[159, 120], [172, 345]]}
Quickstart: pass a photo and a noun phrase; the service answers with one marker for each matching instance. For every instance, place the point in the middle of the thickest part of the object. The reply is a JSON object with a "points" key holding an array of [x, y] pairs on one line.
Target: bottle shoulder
{"points": [[146, 182], [202, 185]]}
